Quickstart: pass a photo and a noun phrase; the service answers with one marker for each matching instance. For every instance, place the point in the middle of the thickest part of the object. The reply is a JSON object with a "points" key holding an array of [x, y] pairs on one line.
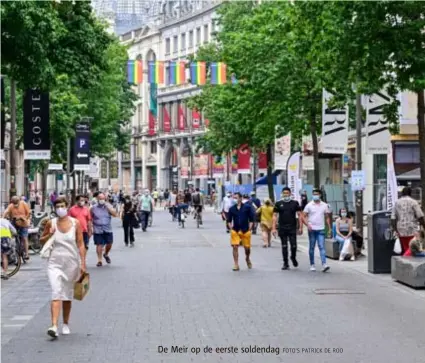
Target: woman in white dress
{"points": [[63, 267]]}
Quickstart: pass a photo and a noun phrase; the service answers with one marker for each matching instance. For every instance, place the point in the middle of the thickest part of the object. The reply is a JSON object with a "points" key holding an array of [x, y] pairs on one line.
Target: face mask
{"points": [[61, 212], [286, 199], [102, 202], [316, 197], [81, 203], [16, 205], [343, 215]]}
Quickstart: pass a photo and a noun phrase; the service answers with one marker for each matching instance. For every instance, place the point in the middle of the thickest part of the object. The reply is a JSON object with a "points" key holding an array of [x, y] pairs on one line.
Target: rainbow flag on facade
{"points": [[134, 72], [156, 72], [198, 73], [177, 73], [218, 73]]}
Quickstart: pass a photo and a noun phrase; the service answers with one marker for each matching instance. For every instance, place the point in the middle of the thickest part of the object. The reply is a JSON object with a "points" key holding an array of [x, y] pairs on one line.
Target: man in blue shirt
{"points": [[239, 220]]}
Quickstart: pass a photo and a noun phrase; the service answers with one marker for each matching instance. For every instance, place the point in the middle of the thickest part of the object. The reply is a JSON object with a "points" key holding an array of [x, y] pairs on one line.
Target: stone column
{"points": [[144, 168]]}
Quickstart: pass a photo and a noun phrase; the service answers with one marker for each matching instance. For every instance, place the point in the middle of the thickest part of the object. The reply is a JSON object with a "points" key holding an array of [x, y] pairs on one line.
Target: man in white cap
{"points": [[227, 203]]}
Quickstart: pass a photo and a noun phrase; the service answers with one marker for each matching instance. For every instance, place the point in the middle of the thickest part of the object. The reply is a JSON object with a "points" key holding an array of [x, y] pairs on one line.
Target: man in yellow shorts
{"points": [[240, 220]]}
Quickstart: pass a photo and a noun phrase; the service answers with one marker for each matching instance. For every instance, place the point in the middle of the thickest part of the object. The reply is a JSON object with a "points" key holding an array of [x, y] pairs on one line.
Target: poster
{"points": [[262, 162], [81, 148], [184, 167], [294, 175], [218, 166], [282, 150], [392, 188], [244, 160], [334, 127], [200, 167], [378, 137]]}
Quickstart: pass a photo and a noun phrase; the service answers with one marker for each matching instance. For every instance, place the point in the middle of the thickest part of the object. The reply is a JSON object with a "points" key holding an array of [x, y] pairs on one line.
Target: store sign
{"points": [[36, 125]]}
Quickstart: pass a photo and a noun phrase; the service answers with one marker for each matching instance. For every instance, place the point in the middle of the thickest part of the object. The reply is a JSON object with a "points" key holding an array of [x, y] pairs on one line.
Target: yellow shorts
{"points": [[239, 238]]}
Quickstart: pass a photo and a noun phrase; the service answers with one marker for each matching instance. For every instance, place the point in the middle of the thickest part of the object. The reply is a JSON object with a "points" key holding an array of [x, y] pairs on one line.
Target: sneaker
{"points": [[4, 276], [53, 331], [132, 244], [325, 268], [249, 264], [341, 258], [285, 267], [352, 258], [312, 268], [294, 261], [65, 330]]}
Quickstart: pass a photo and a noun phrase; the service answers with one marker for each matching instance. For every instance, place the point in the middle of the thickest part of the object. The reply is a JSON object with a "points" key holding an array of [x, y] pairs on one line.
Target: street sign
{"points": [[82, 146], [56, 167]]}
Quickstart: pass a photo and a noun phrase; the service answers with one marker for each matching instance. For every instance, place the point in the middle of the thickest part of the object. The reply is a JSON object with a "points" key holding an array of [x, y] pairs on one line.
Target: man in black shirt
{"points": [[287, 210]]}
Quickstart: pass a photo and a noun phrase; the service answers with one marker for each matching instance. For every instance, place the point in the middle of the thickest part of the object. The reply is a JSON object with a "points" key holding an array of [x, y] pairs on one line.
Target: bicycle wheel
{"points": [[15, 261], [198, 222]]}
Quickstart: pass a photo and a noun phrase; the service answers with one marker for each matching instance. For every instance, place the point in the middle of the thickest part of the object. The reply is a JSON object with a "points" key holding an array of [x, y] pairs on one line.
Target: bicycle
{"points": [[198, 218], [15, 256]]}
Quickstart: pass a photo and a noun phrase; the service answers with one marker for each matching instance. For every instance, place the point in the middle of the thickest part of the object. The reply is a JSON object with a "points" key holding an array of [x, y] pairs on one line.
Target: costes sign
{"points": [[36, 125]]}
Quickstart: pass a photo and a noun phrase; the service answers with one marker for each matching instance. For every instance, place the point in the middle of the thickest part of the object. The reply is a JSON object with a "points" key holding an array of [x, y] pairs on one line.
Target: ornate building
{"points": [[155, 161]]}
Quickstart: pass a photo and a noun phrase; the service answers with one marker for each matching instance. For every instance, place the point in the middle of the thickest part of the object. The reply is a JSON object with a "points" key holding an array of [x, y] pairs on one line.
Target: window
{"points": [[175, 44], [153, 147], [191, 39], [206, 34], [183, 41], [167, 75], [198, 36], [167, 46], [407, 153]]}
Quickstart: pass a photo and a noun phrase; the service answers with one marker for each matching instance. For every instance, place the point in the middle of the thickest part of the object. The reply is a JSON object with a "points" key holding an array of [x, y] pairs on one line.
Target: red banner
{"points": [[262, 160], [244, 160], [166, 119], [181, 119], [151, 124], [196, 119]]}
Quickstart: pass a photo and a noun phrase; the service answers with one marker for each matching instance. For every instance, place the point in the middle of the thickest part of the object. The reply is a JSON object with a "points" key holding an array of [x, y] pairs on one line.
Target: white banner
{"points": [[392, 189], [334, 127], [378, 138], [307, 153], [282, 150], [294, 175]]}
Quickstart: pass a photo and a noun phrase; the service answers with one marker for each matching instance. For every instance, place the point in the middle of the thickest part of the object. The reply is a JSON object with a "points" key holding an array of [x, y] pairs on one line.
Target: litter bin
{"points": [[380, 243]]}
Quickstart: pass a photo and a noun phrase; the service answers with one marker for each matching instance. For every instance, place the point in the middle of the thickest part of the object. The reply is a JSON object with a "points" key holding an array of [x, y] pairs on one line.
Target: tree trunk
{"points": [[313, 130], [12, 148], [421, 132], [44, 187], [270, 173]]}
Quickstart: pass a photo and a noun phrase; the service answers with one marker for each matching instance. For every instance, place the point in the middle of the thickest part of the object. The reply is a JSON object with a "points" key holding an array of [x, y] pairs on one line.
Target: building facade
{"points": [[155, 160]]}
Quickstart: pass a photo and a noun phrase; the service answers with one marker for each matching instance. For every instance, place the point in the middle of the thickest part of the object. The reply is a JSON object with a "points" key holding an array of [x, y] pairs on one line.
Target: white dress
{"points": [[64, 263]]}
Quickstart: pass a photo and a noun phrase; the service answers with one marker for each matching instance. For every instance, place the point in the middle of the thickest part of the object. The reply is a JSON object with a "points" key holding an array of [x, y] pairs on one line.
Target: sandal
{"points": [[265, 246], [99, 264], [107, 258]]}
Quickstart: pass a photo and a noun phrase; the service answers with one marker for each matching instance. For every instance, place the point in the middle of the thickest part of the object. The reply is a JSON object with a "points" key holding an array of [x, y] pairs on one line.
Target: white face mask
{"points": [[61, 212], [102, 201], [81, 203]]}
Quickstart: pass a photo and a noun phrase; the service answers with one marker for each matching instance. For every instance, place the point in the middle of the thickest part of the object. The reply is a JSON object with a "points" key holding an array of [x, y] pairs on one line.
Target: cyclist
{"points": [[180, 206], [6, 232], [198, 203], [19, 213]]}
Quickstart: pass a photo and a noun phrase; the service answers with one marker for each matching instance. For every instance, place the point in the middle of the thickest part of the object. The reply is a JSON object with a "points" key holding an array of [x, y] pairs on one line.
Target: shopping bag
{"points": [[46, 251], [347, 249], [81, 286], [397, 246]]}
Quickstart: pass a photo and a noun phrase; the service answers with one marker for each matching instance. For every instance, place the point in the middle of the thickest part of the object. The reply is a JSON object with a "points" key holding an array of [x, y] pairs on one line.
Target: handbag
{"points": [[46, 251], [397, 246], [347, 248], [82, 286], [135, 222]]}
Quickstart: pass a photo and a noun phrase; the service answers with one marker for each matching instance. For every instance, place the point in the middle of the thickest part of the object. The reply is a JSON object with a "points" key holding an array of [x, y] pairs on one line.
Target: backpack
{"points": [[196, 199]]}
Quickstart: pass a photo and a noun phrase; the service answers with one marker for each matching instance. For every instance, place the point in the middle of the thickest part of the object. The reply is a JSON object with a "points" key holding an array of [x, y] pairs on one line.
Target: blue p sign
{"points": [[82, 143]]}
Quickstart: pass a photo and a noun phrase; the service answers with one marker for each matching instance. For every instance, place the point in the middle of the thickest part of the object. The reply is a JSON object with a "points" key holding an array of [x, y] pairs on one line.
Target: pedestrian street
{"points": [[174, 298]]}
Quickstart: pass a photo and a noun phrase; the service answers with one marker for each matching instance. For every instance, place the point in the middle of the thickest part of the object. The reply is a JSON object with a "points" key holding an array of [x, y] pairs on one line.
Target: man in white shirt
{"points": [[315, 214], [227, 203]]}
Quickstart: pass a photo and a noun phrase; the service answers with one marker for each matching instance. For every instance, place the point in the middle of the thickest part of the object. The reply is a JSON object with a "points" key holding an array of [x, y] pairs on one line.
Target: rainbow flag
{"points": [[177, 73], [134, 72], [156, 72], [218, 73], [198, 73]]}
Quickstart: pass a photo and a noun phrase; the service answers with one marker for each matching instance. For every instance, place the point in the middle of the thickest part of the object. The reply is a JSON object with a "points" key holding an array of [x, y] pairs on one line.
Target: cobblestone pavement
{"points": [[176, 288]]}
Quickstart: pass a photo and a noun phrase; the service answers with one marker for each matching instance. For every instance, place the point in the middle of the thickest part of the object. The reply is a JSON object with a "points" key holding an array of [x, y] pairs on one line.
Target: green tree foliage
{"points": [[43, 39]]}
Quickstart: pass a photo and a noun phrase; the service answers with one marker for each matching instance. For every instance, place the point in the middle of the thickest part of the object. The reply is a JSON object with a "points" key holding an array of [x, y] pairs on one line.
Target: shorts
{"points": [[22, 231], [240, 238], [5, 245], [86, 238], [105, 238]]}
